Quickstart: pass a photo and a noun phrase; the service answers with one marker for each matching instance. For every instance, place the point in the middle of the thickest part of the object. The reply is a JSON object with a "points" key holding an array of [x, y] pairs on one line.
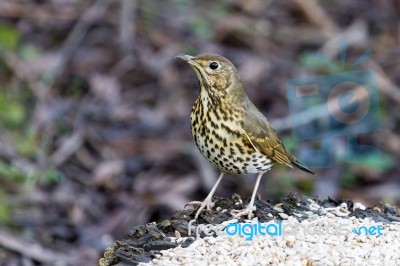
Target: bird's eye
{"points": [[214, 65]]}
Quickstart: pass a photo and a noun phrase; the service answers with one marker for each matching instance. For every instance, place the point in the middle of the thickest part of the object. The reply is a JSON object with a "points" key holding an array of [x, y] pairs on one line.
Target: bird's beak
{"points": [[190, 60], [198, 69], [186, 58]]}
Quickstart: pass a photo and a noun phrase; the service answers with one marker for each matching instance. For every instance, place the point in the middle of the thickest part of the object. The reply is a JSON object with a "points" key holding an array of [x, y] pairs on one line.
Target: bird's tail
{"points": [[299, 165]]}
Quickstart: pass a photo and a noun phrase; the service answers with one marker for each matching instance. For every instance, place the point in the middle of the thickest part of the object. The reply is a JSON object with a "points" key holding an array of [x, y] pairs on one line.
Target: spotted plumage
{"points": [[229, 146], [228, 129]]}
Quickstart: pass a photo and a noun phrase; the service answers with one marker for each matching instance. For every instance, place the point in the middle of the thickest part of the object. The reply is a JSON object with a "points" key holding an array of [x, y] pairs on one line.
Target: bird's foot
{"points": [[247, 211], [207, 203]]}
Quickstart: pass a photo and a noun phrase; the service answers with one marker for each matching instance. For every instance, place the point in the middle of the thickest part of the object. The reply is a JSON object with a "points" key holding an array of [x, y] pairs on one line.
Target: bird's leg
{"points": [[249, 208], [207, 203]]}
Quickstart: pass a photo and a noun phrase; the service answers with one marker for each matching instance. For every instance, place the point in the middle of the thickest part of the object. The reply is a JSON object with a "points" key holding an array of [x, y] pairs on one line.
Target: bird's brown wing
{"points": [[264, 138]]}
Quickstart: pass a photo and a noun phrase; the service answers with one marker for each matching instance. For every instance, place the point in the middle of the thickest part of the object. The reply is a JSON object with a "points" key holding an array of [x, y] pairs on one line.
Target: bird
{"points": [[229, 130]]}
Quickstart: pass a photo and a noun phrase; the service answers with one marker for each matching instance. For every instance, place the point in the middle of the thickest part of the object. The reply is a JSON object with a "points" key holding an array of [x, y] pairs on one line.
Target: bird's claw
{"points": [[247, 211], [207, 203]]}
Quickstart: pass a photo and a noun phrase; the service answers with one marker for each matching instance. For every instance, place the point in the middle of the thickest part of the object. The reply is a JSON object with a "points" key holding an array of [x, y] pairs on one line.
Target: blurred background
{"points": [[94, 110]]}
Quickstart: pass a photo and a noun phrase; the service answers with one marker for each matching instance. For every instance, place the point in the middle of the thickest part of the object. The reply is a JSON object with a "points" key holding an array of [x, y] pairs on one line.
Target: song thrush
{"points": [[229, 130]]}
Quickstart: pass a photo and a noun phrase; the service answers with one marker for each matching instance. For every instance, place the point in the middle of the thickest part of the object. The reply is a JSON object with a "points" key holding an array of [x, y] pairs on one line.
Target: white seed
{"points": [[358, 205], [211, 240], [283, 216], [293, 249]]}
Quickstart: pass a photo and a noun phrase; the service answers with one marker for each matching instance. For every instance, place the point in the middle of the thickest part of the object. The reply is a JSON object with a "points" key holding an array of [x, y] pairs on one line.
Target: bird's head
{"points": [[215, 73]]}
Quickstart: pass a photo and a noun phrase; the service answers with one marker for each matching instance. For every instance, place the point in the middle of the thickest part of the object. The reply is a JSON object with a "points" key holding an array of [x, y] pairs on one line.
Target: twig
{"points": [[32, 250], [22, 71], [356, 33], [127, 24], [75, 37], [43, 12], [317, 16], [385, 84], [68, 147]]}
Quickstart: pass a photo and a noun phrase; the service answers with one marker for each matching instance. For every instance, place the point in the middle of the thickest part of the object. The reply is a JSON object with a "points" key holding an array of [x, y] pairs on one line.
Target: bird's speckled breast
{"points": [[221, 140]]}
